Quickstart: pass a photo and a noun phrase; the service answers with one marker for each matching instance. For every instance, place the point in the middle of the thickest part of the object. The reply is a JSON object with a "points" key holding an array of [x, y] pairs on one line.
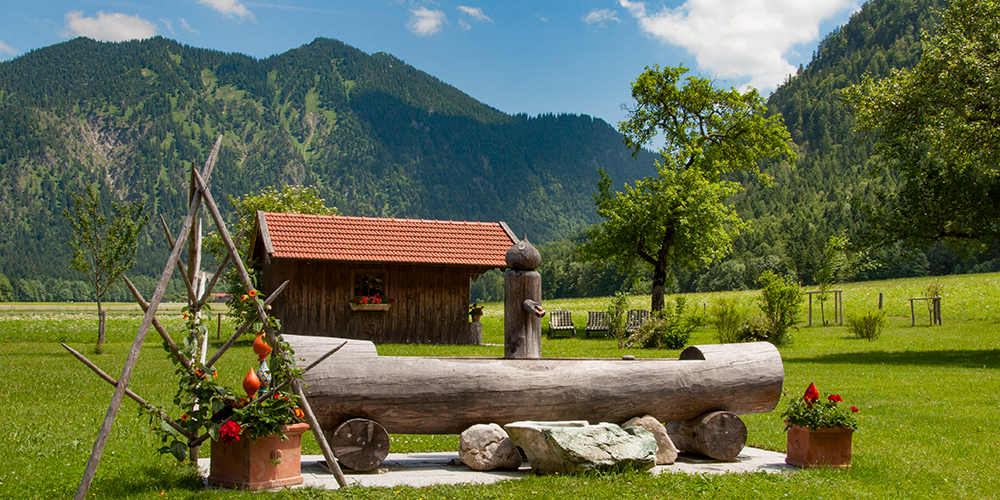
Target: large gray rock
{"points": [[575, 447], [666, 452], [487, 447]]}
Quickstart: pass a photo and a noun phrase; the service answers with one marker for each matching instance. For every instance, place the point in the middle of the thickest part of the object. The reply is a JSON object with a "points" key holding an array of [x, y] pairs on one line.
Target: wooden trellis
{"points": [[190, 235]]}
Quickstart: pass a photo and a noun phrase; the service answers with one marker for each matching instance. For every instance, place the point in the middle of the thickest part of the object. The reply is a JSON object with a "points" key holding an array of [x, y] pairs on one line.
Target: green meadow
{"points": [[928, 397]]}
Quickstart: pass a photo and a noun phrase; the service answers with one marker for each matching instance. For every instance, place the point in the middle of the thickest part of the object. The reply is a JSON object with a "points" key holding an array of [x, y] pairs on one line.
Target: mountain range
{"points": [[374, 135], [378, 137]]}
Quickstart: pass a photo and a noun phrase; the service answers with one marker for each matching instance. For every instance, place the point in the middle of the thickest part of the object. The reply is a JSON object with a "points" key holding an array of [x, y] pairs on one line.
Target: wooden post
{"points": [[522, 302], [880, 301], [810, 309], [937, 309], [913, 317]]}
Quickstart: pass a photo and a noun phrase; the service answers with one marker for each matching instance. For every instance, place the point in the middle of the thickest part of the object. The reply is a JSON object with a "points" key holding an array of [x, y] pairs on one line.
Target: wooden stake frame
{"points": [[199, 194]]}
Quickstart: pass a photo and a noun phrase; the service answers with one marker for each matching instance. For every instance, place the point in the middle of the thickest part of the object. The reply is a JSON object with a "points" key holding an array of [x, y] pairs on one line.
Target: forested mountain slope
{"points": [[376, 136], [822, 195]]}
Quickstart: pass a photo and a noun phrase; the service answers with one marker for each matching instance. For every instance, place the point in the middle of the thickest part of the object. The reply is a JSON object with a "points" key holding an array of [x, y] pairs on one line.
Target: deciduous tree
{"points": [[103, 249], [938, 127], [679, 218]]}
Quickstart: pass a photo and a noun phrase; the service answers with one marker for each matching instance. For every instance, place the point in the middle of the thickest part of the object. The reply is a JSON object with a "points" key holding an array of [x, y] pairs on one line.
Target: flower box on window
{"points": [[369, 307]]}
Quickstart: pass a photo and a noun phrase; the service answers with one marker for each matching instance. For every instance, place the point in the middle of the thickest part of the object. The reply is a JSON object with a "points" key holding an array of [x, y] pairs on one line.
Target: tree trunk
{"points": [[417, 395], [102, 316], [659, 283]]}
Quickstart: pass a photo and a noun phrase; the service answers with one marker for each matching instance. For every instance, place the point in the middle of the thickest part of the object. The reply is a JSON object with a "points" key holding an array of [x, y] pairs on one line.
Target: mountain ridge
{"points": [[376, 136]]}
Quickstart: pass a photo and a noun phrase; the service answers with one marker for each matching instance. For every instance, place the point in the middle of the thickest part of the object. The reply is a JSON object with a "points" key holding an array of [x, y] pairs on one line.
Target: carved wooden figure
{"points": [[522, 302]]}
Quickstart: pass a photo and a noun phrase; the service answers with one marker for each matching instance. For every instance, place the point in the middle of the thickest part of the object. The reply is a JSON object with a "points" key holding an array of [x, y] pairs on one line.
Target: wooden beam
{"points": [[128, 392], [272, 336], [239, 332], [270, 392], [140, 337], [180, 265], [156, 324], [324, 446]]}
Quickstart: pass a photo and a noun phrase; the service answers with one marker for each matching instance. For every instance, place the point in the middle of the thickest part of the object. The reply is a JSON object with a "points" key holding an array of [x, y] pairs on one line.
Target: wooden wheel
{"points": [[359, 444]]}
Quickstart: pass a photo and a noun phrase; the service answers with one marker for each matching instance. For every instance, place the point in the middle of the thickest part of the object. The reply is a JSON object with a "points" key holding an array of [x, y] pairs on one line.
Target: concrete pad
{"points": [[427, 469]]}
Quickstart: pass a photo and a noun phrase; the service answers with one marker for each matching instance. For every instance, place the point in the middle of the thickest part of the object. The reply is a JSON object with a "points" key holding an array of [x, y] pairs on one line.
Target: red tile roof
{"points": [[368, 239]]}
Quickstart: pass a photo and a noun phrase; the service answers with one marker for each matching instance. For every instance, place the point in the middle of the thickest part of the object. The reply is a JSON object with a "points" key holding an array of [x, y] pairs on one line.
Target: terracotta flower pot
{"points": [[476, 318], [823, 447], [268, 462]]}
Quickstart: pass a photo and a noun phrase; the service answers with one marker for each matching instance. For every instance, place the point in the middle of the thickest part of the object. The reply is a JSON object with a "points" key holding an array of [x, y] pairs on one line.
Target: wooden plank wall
{"points": [[430, 303]]}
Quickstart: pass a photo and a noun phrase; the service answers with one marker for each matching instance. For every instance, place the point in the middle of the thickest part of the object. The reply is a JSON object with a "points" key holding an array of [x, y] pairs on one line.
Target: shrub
{"points": [[670, 328], [780, 301], [617, 312], [754, 329], [727, 317], [868, 325]]}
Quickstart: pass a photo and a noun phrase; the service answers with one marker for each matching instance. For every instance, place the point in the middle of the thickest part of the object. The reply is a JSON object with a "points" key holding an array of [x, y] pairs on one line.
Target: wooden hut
{"points": [[384, 280]]}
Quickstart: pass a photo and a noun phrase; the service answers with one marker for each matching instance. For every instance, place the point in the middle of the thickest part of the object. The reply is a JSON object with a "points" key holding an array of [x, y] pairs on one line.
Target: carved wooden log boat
{"points": [[421, 395]]}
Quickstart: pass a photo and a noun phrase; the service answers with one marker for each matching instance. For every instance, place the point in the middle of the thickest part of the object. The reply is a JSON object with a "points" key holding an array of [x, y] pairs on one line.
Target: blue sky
{"points": [[518, 56]]}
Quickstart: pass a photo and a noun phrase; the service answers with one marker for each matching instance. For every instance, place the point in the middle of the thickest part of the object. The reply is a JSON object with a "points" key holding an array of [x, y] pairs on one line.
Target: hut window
{"points": [[369, 284]]}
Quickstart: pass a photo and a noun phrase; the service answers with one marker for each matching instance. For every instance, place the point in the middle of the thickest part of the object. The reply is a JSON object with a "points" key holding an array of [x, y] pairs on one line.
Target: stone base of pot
{"points": [[823, 447], [268, 462]]}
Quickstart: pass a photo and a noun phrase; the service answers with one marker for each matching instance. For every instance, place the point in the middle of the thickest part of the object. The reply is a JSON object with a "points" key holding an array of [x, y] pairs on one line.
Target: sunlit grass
{"points": [[927, 396]]}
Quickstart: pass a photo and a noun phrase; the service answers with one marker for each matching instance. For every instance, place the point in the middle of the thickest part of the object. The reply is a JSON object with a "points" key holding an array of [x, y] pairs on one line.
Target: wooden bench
{"points": [[561, 321], [597, 321], [635, 319]]}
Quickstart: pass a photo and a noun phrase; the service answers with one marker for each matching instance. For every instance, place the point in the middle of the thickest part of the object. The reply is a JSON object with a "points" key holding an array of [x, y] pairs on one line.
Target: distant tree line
{"points": [[50, 289]]}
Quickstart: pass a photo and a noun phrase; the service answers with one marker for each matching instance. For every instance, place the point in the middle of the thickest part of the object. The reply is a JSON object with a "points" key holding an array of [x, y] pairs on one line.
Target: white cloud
{"points": [[187, 27], [7, 49], [425, 22], [464, 25], [475, 12], [740, 38], [601, 16], [229, 8], [168, 24], [114, 27]]}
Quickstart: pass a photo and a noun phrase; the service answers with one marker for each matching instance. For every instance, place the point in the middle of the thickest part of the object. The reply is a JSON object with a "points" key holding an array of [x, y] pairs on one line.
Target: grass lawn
{"points": [[928, 398]]}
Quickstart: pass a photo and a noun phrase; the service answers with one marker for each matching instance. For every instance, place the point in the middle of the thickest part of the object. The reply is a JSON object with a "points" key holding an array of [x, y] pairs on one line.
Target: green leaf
{"points": [[179, 450]]}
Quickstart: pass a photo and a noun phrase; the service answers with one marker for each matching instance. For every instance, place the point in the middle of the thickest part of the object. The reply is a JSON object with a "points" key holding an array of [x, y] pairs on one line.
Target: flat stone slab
{"points": [[427, 469]]}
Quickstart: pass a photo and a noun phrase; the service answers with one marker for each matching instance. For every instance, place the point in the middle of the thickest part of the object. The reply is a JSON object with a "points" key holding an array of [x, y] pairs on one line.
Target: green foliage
{"points": [[934, 126], [705, 128], [868, 325], [810, 412], [617, 314], [103, 249], [289, 199], [727, 316], [780, 301], [669, 328], [488, 287], [755, 329], [678, 218]]}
